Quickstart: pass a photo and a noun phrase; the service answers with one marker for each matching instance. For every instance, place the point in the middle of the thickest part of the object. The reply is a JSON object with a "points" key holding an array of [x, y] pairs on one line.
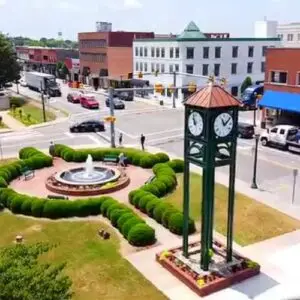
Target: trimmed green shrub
{"points": [[16, 101], [131, 196], [129, 224], [176, 224], [161, 157], [151, 188], [1, 207], [79, 156], [144, 201], [167, 214], [3, 183], [159, 210], [37, 207], [106, 204], [177, 165], [161, 187], [151, 205], [16, 204], [116, 215], [141, 235], [68, 156], [26, 206], [136, 198], [6, 196], [146, 162], [124, 218], [114, 207], [53, 209]]}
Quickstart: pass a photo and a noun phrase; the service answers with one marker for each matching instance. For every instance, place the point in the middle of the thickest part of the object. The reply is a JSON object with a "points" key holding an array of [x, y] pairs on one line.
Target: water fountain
{"points": [[87, 180]]}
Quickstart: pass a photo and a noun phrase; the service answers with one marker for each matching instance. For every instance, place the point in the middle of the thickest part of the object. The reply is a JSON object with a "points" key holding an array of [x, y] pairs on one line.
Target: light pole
{"points": [[43, 103], [254, 184], [174, 91], [112, 113]]}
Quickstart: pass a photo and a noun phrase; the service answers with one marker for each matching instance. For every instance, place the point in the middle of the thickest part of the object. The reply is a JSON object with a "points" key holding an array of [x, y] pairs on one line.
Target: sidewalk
{"points": [[11, 122]]}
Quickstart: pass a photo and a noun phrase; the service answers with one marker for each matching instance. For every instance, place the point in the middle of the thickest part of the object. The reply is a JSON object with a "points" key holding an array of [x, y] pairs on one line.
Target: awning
{"points": [[281, 100]]}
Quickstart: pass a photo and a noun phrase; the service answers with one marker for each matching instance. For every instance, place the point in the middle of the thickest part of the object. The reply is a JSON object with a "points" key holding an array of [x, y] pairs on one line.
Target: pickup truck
{"points": [[283, 136]]}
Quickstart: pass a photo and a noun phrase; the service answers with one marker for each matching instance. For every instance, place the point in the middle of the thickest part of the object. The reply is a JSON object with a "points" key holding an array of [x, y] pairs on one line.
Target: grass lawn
{"points": [[3, 125], [7, 161], [35, 113], [254, 222], [95, 266]]}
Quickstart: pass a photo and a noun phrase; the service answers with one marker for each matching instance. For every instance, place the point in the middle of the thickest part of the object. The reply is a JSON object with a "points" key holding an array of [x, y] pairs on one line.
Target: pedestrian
{"points": [[143, 138], [122, 160], [120, 139], [52, 149]]}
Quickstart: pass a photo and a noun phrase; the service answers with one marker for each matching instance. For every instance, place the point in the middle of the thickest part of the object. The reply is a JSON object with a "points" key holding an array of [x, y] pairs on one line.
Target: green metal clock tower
{"points": [[210, 138]]}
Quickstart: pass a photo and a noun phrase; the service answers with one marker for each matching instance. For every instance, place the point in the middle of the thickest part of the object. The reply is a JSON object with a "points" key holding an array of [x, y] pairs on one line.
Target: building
{"points": [[73, 65], [43, 59], [281, 98], [265, 29], [195, 53], [289, 34], [107, 53]]}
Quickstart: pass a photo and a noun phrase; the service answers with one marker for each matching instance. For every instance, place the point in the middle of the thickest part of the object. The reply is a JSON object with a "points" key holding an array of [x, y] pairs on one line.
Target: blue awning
{"points": [[281, 100]]}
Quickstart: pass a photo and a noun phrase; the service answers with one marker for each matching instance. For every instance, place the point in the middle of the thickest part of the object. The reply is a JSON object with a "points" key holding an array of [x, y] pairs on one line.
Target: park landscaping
{"points": [[28, 112]]}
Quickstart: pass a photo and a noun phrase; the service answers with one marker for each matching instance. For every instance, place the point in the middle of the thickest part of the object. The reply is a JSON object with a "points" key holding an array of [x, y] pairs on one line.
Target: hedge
{"points": [[141, 235], [55, 209]]}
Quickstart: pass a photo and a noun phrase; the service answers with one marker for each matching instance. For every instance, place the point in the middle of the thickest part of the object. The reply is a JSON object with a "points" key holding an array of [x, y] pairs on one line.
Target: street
{"points": [[163, 128]]}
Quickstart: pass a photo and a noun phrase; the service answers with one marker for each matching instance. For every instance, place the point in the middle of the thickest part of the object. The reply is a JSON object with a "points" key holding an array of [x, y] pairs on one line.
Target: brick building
{"points": [[42, 58], [282, 84], [107, 53]]}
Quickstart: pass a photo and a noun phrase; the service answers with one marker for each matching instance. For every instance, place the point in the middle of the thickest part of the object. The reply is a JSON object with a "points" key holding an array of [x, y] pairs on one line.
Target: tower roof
{"points": [[212, 96], [192, 31]]}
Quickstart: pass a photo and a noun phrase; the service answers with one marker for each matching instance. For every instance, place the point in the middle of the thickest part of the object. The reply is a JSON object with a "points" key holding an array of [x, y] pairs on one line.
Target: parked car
{"points": [[23, 82], [88, 126], [245, 130], [8, 84], [89, 101], [118, 104], [126, 96], [74, 97]]}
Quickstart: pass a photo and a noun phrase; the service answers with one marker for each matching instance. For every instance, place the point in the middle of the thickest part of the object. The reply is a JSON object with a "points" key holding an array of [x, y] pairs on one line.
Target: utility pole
{"points": [[112, 113], [174, 91], [43, 103], [254, 184]]}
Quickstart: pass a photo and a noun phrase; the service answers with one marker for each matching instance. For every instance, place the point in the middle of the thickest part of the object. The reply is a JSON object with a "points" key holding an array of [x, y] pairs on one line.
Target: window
{"points": [[217, 69], [136, 51], [234, 90], [274, 130], [171, 69], [262, 67], [152, 67], [136, 66], [217, 52], [157, 67], [281, 131], [171, 52], [249, 67], [205, 70], [141, 66], [233, 68], [101, 57], [152, 52], [157, 52], [264, 50], [45, 57], [92, 43], [280, 36], [190, 69], [189, 52], [145, 51], [298, 79], [162, 52], [290, 37], [31, 56], [235, 51], [250, 51], [278, 77], [141, 51], [177, 52], [162, 68], [145, 67], [176, 68], [205, 52]]}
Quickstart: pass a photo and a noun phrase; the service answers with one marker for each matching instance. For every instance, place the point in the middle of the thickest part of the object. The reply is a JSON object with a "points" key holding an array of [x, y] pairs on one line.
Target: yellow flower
{"points": [[201, 282], [164, 255]]}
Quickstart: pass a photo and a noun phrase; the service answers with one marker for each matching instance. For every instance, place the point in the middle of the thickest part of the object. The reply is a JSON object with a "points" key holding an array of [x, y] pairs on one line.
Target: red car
{"points": [[74, 97], [89, 101]]}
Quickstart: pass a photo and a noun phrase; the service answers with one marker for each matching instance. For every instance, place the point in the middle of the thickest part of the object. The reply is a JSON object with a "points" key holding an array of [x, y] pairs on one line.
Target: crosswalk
{"points": [[23, 135]]}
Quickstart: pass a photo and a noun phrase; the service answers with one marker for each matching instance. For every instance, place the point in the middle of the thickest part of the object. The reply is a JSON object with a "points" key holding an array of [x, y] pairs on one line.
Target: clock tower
{"points": [[210, 138]]}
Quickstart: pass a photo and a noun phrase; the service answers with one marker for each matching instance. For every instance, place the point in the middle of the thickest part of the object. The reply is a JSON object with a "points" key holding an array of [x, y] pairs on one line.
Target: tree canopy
{"points": [[246, 83], [23, 277], [9, 67]]}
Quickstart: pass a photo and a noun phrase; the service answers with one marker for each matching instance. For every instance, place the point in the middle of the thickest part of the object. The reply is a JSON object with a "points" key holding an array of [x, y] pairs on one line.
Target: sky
{"points": [[45, 18]]}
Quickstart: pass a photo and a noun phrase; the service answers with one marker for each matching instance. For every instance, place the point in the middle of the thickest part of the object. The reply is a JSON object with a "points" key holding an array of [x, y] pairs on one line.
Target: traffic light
{"points": [[140, 75], [158, 88], [192, 87], [110, 119]]}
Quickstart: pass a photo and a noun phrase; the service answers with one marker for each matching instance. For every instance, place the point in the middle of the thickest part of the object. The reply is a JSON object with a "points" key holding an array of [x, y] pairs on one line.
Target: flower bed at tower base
{"points": [[221, 274]]}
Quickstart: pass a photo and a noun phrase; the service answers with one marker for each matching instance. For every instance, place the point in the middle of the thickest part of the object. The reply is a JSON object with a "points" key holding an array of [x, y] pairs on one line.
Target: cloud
{"points": [[2, 2], [132, 4]]}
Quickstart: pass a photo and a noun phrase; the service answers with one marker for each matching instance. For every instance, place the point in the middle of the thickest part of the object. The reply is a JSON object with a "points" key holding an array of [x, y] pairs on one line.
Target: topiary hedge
{"points": [[140, 235], [55, 209]]}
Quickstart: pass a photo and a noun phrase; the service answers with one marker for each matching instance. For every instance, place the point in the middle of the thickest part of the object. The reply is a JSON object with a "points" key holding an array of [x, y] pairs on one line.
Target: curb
{"points": [[50, 123], [2, 131]]}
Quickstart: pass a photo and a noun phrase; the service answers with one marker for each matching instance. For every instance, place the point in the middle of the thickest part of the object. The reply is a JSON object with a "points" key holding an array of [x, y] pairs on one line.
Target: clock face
{"points": [[223, 124], [195, 123]]}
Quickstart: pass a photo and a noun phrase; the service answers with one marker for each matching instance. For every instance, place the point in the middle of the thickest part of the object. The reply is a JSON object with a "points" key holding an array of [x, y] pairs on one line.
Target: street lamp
{"points": [[254, 184]]}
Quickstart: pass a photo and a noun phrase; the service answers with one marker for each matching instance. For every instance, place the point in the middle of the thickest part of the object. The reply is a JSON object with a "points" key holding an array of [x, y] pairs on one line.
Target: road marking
{"points": [[162, 132], [127, 134], [14, 136], [94, 139], [69, 134]]}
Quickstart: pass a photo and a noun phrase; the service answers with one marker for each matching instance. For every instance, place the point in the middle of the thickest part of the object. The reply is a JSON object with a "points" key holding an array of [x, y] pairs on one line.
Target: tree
{"points": [[9, 67], [24, 278], [247, 82]]}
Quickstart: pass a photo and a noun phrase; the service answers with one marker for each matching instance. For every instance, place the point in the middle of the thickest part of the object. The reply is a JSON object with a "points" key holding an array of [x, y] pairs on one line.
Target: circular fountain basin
{"points": [[79, 176]]}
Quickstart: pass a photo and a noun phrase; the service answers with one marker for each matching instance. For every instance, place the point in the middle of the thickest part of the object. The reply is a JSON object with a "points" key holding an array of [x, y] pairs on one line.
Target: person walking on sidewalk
{"points": [[120, 139], [143, 138]]}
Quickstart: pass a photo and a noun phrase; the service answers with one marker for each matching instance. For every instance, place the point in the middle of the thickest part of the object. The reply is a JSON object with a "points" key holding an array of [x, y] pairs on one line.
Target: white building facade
{"points": [[192, 52], [289, 34]]}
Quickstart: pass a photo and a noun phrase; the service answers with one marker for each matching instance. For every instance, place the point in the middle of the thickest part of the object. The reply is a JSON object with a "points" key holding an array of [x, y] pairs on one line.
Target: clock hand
{"points": [[194, 120], [226, 122]]}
